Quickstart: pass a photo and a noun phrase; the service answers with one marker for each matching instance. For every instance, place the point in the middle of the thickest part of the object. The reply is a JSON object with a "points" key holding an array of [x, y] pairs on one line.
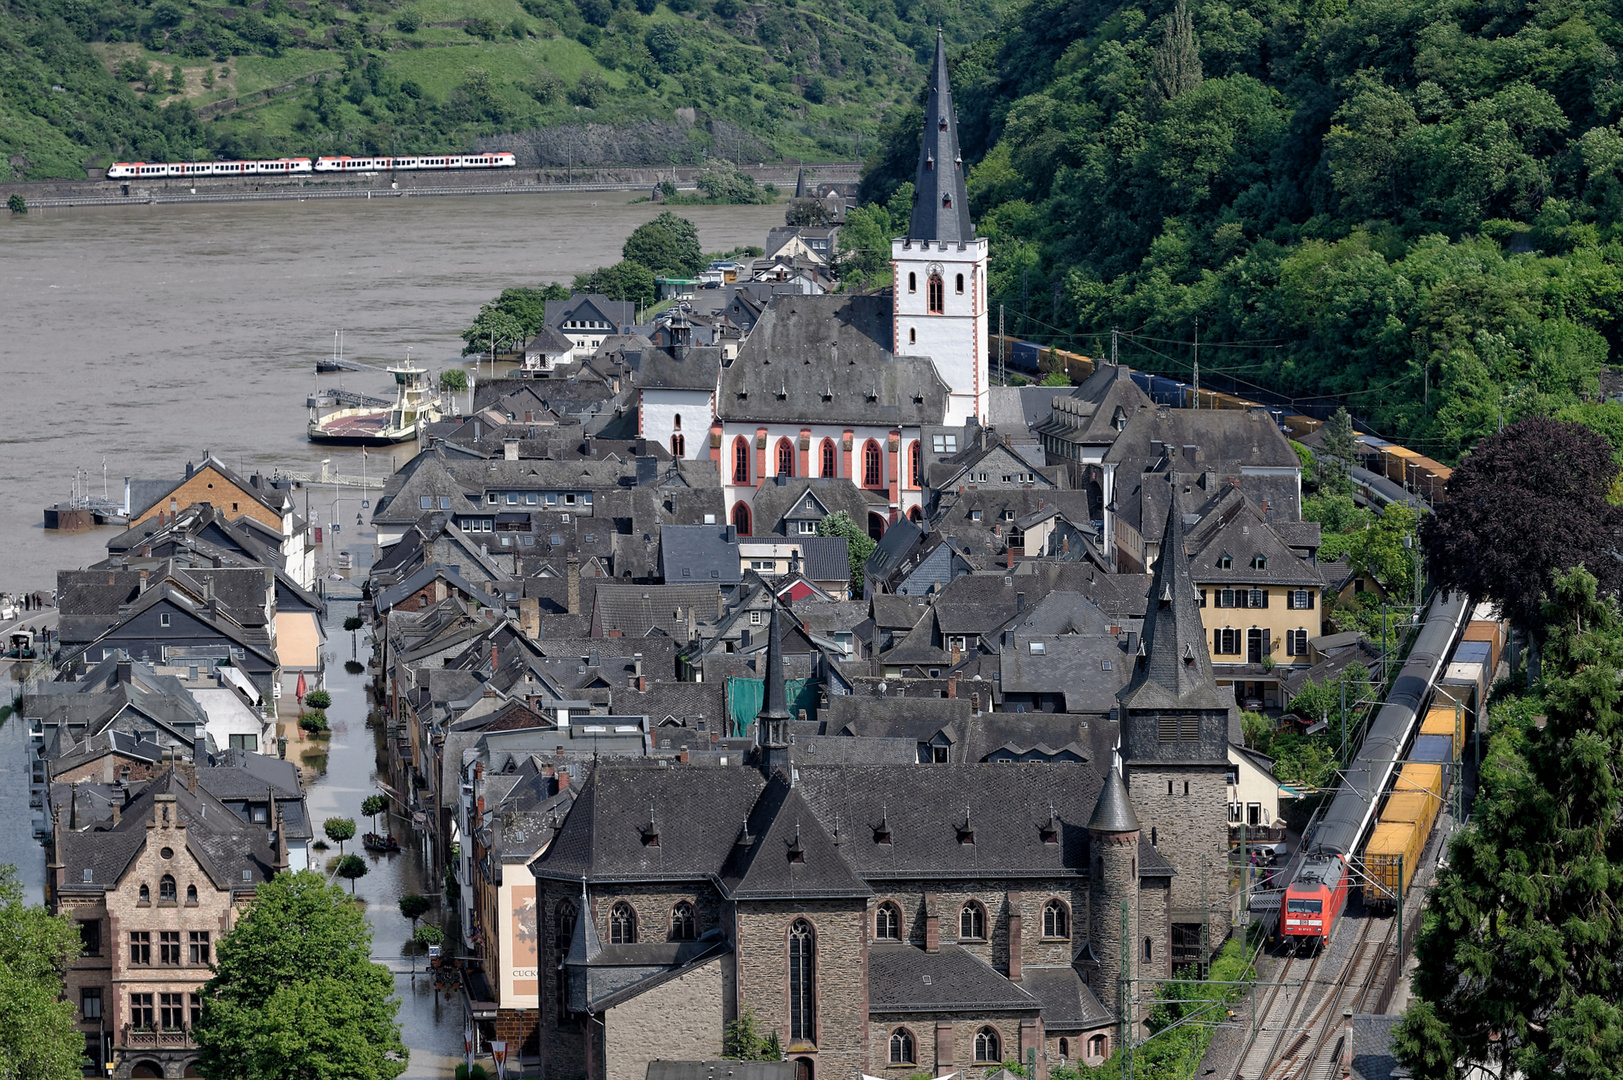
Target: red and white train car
{"points": [[420, 161], [277, 167]]}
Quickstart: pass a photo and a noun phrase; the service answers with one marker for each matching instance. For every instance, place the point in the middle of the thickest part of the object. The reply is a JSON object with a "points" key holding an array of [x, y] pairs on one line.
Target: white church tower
{"points": [[940, 265]]}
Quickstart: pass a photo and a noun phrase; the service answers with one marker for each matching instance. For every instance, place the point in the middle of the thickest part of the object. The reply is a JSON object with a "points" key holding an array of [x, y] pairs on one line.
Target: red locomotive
{"points": [[1314, 900]]}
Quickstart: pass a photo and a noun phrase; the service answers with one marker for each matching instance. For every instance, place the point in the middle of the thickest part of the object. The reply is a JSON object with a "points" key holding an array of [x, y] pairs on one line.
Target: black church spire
{"points": [[940, 197]]}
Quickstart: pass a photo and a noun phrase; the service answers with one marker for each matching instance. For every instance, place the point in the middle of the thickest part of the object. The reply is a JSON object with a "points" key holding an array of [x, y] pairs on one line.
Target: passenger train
{"points": [[288, 166]]}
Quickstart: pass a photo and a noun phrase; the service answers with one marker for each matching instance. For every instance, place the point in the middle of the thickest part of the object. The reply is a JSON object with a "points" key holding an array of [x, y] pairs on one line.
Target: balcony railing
{"points": [[148, 1037]]}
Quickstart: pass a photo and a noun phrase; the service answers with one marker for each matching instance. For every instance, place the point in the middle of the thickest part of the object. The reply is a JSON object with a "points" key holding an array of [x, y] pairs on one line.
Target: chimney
{"points": [[493, 658], [1008, 558], [187, 769], [509, 449], [683, 756], [932, 924], [957, 654], [125, 671], [1014, 937], [732, 534], [952, 685], [563, 777], [975, 703], [572, 574]]}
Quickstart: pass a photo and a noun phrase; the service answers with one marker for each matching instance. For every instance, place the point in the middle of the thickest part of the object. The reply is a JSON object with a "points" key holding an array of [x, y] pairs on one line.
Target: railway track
{"points": [[1299, 1036]]}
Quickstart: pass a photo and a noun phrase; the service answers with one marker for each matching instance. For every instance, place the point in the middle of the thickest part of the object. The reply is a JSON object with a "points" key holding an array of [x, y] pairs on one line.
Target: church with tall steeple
{"points": [[940, 265]]}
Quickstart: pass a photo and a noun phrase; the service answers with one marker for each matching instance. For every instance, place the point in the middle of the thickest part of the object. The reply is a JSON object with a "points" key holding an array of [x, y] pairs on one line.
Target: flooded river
{"points": [[148, 336]]}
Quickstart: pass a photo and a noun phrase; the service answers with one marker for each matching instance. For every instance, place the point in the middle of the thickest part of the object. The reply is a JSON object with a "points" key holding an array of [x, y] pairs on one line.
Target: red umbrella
{"points": [[298, 692]]}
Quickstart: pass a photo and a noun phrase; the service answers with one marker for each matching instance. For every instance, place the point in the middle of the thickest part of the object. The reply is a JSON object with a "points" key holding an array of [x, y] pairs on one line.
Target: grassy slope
{"points": [[808, 78]]}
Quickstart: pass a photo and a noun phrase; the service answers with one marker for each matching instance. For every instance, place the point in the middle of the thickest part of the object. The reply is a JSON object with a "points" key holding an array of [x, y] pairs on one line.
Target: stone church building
{"points": [[890, 919]]}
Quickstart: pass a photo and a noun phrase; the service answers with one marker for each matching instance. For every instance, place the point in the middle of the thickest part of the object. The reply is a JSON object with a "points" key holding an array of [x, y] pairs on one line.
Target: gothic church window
{"points": [[684, 922], [1056, 920], [959, 285], [887, 923], [872, 470], [741, 519], [828, 458], [786, 458], [741, 460], [938, 299], [802, 983], [916, 465], [912, 282], [901, 1047], [622, 925], [972, 921], [988, 1047]]}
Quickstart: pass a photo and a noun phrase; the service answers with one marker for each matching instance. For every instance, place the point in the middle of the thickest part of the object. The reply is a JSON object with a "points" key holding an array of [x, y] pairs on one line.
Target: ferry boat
{"points": [[416, 404]]}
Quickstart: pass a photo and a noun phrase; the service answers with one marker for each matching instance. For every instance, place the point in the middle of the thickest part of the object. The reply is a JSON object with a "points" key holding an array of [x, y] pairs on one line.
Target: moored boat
{"points": [[374, 842], [415, 405]]}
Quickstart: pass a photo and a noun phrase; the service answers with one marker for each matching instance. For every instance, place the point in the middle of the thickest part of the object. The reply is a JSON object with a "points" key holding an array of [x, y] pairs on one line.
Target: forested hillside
{"points": [[637, 81], [1414, 204]]}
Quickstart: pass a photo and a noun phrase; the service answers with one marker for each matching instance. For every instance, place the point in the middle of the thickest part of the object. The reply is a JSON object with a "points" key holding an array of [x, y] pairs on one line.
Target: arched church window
{"points": [[938, 298]]}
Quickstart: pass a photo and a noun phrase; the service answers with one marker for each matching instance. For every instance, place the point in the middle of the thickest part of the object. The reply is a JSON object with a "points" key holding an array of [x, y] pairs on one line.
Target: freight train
{"points": [[291, 166], [1382, 460], [1454, 680]]}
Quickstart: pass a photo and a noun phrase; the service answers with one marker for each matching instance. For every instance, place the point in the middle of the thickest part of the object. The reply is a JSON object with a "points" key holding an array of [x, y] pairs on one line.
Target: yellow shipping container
{"points": [[1444, 720], [1392, 846], [1418, 777], [1408, 806]]}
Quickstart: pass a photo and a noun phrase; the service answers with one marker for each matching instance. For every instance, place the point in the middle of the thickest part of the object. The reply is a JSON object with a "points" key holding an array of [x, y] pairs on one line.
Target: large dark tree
{"points": [[1519, 957], [1529, 501], [666, 245]]}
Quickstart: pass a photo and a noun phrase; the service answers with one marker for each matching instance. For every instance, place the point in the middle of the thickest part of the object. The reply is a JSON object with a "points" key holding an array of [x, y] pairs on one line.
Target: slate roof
{"points": [[810, 499], [790, 854], [1074, 665], [636, 610], [941, 198], [698, 553], [699, 818], [904, 978], [1372, 1057], [224, 845], [1113, 813], [1068, 1003], [658, 369], [825, 558], [827, 360], [549, 342], [1174, 668], [592, 307], [1235, 527]]}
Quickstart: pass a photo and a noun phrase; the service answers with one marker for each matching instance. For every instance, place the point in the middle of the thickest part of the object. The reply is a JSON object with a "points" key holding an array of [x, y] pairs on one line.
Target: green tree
{"points": [[428, 935], [455, 380], [744, 1041], [858, 544], [313, 721], [338, 830], [354, 622], [39, 1039], [177, 80], [493, 330], [667, 245], [1177, 61], [318, 699], [16, 204], [351, 868], [1338, 451], [295, 993], [626, 280], [372, 806], [1055, 378], [1514, 960], [414, 907]]}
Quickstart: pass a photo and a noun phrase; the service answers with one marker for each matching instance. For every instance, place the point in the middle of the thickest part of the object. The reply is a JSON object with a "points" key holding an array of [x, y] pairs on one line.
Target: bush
{"points": [[408, 22], [456, 380], [318, 699], [355, 622], [479, 1072], [591, 91], [314, 722], [428, 935], [17, 205]]}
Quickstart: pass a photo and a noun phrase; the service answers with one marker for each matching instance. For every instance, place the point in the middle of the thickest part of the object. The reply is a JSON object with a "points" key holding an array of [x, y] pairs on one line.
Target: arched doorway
{"points": [[146, 1070], [191, 1071], [915, 515], [876, 525], [804, 1069]]}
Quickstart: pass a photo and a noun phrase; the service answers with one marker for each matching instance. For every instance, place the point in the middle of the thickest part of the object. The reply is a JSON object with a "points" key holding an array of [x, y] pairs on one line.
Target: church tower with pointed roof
{"points": [[772, 725], [940, 265], [1174, 746]]}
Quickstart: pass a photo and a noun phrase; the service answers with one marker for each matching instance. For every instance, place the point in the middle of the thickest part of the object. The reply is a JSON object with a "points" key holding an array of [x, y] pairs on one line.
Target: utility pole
{"points": [[1002, 350], [1125, 993], [1197, 361], [1114, 335]]}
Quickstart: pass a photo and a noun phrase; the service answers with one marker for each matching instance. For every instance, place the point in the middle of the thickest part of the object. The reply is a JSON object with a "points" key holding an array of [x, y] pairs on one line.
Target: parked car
{"points": [[1252, 704]]}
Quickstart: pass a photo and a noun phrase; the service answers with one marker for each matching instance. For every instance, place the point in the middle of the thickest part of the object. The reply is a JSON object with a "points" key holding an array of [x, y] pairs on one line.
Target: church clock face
{"points": [[936, 268]]}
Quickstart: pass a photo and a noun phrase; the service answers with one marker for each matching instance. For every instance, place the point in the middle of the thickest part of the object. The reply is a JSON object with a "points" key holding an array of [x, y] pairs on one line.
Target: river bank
{"points": [[99, 191]]}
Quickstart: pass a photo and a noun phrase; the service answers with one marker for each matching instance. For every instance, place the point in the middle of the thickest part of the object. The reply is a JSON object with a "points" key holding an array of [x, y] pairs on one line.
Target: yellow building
{"points": [[1260, 595]]}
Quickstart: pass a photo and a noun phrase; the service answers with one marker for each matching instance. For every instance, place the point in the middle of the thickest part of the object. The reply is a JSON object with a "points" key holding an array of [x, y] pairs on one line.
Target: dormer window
{"points": [[1259, 562], [946, 201], [1225, 562], [929, 163]]}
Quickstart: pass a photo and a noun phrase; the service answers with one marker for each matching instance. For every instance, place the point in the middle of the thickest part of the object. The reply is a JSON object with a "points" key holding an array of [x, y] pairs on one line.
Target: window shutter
{"points": [[1310, 599], [1264, 597], [1217, 641], [1167, 728], [1189, 728]]}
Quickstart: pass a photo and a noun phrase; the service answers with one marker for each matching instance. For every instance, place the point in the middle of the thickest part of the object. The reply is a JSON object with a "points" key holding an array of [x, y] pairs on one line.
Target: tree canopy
{"points": [[858, 544], [1412, 208], [1528, 502], [493, 330], [667, 245], [38, 1036], [1516, 960], [295, 993]]}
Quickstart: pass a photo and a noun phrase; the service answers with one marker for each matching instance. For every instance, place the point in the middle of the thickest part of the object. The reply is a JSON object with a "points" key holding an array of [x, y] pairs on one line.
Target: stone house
{"points": [[153, 888]]}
